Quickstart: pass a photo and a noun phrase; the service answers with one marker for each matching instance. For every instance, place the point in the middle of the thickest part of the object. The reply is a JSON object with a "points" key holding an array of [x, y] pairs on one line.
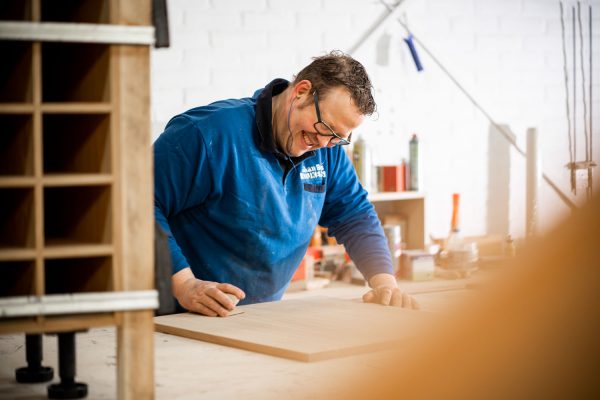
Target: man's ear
{"points": [[302, 89]]}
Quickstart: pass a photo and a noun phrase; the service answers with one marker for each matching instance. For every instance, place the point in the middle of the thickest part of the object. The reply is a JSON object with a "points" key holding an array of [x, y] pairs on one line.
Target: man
{"points": [[240, 186]]}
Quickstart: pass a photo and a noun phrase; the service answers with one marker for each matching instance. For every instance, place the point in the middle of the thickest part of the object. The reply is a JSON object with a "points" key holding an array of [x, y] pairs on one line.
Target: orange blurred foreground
{"points": [[533, 335]]}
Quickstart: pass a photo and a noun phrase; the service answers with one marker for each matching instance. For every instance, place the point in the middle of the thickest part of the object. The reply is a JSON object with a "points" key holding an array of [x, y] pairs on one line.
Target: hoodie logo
{"points": [[312, 172]]}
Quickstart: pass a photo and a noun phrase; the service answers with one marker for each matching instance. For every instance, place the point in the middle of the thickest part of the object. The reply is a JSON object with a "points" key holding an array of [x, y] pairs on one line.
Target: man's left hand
{"points": [[386, 292]]}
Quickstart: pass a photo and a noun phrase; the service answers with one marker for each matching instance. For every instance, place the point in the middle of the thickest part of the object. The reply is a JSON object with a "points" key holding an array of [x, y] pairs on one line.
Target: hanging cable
{"points": [[566, 74], [583, 88]]}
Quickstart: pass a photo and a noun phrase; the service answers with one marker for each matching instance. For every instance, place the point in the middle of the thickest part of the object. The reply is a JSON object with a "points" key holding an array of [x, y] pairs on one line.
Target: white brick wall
{"points": [[506, 53]]}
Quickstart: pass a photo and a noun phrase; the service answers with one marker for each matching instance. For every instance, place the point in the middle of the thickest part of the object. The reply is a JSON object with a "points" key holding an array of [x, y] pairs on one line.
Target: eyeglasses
{"points": [[321, 127]]}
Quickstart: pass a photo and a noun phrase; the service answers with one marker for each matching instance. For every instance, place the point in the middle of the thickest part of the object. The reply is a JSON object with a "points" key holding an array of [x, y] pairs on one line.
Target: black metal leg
{"points": [[67, 388], [34, 372]]}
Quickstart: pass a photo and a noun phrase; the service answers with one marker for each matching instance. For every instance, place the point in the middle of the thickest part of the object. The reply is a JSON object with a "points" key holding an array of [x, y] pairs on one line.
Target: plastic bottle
{"points": [[361, 157], [461, 255], [413, 161]]}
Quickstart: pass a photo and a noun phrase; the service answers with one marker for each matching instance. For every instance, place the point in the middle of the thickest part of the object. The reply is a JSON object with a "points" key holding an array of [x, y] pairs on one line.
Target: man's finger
{"points": [[369, 296], [209, 301], [406, 300], [396, 298], [229, 288], [202, 309], [384, 296]]}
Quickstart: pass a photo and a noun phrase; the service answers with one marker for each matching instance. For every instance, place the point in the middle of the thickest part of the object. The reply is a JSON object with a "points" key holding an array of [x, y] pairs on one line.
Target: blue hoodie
{"points": [[239, 211]]}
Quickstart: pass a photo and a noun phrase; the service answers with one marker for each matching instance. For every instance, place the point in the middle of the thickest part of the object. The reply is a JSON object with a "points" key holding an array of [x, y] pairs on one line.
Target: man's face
{"points": [[337, 111]]}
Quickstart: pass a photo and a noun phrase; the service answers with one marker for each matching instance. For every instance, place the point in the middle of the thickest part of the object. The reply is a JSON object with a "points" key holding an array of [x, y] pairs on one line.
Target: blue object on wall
{"points": [[413, 52]]}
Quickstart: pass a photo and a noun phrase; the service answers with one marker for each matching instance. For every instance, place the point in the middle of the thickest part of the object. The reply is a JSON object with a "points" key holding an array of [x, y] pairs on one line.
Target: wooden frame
{"points": [[78, 208]]}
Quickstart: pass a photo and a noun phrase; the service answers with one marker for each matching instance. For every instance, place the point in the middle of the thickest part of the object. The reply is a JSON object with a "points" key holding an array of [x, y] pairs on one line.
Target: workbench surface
{"points": [[186, 368]]}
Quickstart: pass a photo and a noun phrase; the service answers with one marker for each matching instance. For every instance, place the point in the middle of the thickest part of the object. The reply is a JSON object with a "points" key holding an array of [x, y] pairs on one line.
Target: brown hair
{"points": [[339, 69]]}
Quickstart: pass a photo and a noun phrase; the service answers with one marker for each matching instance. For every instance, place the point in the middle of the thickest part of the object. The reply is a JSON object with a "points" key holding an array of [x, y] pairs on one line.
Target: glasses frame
{"points": [[332, 136]]}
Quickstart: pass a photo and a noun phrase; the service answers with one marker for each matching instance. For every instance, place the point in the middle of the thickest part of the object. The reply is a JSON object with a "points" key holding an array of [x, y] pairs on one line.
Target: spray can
{"points": [[413, 162], [361, 157]]}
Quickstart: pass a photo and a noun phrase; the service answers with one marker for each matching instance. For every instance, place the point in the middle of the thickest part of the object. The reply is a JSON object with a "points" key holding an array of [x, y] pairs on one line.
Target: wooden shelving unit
{"points": [[406, 206], [76, 213]]}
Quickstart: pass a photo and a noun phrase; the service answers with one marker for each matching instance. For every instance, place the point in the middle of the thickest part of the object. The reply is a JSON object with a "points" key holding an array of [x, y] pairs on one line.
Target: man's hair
{"points": [[339, 69]]}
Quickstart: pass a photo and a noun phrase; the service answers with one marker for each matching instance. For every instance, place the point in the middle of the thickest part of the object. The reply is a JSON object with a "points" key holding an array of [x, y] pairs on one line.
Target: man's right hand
{"points": [[204, 297]]}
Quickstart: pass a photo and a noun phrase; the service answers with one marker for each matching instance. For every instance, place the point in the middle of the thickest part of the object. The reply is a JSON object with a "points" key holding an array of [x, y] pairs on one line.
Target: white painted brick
{"points": [[269, 20], [166, 59], [496, 8], [435, 24], [235, 74], [499, 43], [187, 76], [324, 22], [293, 5], [214, 56], [239, 5], [311, 42], [542, 42], [185, 40], [239, 40], [543, 8], [481, 24], [345, 5], [188, 5], [203, 21], [263, 58], [451, 8], [523, 26]]}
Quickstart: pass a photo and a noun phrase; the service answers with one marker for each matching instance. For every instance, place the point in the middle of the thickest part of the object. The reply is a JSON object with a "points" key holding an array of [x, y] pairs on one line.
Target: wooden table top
{"points": [[186, 368]]}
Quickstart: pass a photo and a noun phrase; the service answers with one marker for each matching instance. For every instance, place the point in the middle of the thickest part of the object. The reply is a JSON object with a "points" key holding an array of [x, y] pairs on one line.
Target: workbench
{"points": [[186, 368]]}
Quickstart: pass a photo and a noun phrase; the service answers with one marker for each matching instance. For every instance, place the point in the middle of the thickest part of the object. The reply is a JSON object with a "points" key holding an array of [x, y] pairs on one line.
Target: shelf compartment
{"points": [[77, 215], [74, 251], [17, 218], [16, 145], [17, 278], [77, 275], [76, 143], [16, 72], [86, 11], [15, 10], [75, 72]]}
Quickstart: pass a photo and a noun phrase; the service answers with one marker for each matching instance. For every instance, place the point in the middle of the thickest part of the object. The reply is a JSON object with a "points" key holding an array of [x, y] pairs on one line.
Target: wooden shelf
{"points": [[16, 181], [16, 10], [406, 209], [391, 196], [16, 108], [78, 275], [16, 254], [17, 218], [75, 214], [71, 250], [76, 143], [76, 171], [16, 144], [17, 278], [58, 323], [84, 78], [76, 108], [60, 180], [82, 11], [16, 72]]}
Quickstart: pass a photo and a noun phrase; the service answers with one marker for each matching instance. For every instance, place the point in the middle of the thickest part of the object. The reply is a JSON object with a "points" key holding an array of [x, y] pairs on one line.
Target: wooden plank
{"points": [[309, 329], [55, 324]]}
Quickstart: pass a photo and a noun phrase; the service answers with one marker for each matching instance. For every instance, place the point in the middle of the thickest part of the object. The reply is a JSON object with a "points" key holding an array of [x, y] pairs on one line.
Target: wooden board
{"points": [[308, 329]]}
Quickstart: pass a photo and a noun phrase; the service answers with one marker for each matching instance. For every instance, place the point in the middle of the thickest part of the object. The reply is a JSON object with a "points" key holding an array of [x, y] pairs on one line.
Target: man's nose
{"points": [[322, 140]]}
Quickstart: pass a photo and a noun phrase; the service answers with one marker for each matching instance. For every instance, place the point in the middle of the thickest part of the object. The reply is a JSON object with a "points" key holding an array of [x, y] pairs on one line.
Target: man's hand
{"points": [[204, 297], [385, 291]]}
